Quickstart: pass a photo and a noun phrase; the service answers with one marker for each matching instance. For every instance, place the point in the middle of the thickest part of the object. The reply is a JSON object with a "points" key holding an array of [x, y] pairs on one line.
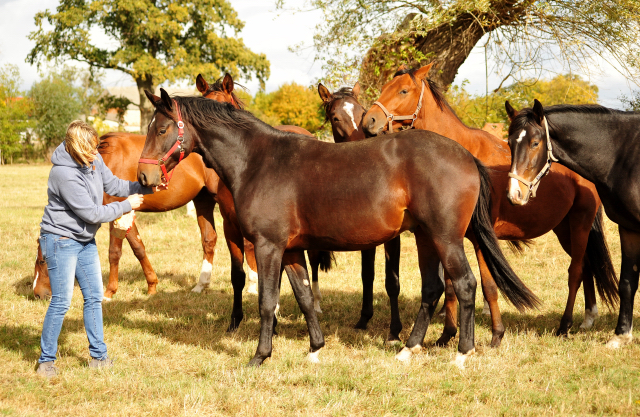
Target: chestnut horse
{"points": [[415, 180], [600, 144], [569, 205], [192, 181]]}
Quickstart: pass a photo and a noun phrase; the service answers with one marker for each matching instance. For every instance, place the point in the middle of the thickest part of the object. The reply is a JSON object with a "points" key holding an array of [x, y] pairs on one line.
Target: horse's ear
{"points": [[324, 92], [155, 100], [356, 89], [202, 84], [166, 99], [402, 67], [227, 83], [511, 112], [423, 72], [538, 111]]}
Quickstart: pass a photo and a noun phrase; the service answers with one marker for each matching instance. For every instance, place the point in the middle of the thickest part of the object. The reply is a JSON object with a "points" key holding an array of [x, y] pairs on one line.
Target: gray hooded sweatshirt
{"points": [[75, 207]]}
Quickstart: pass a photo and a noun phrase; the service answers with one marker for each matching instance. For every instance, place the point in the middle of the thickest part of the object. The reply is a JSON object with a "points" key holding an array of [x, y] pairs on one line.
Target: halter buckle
{"points": [[180, 124]]}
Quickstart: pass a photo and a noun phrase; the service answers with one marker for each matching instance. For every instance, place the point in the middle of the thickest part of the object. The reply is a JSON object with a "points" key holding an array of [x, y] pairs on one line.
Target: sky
{"points": [[269, 31]]}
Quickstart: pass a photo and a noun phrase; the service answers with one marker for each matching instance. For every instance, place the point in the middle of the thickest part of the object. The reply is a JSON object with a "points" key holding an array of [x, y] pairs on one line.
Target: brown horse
{"points": [[415, 180], [569, 205], [193, 181]]}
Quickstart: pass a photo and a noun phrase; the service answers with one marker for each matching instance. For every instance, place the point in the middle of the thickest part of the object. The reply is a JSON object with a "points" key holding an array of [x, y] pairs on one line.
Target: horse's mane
{"points": [[216, 86], [433, 86], [526, 116], [206, 114], [342, 93]]}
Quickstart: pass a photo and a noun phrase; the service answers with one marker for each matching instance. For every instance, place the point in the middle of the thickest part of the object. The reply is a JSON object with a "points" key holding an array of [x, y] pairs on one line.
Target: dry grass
{"points": [[174, 357]]}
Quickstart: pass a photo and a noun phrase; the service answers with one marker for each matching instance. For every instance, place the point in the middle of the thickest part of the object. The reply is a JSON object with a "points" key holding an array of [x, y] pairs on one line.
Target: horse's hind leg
{"points": [[133, 237], [574, 241], [392, 285], [432, 289], [314, 262], [450, 309], [368, 274], [205, 204], [296, 268], [235, 243]]}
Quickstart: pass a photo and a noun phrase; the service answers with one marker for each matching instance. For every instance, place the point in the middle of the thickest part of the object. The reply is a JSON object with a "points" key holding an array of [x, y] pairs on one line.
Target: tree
{"points": [[522, 35], [154, 41], [475, 111], [14, 112], [57, 102]]}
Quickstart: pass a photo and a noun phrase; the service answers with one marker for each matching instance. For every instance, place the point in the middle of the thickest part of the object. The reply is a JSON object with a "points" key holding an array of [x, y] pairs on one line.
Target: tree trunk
{"points": [[146, 108], [447, 45]]}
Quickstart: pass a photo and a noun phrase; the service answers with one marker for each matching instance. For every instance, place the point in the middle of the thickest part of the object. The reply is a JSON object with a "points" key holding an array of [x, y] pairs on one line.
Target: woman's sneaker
{"points": [[101, 363], [47, 369]]}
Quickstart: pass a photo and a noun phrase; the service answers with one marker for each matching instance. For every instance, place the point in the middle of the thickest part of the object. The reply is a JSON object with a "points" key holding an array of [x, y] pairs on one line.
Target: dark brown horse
{"points": [[600, 144], [416, 180], [569, 205], [193, 181]]}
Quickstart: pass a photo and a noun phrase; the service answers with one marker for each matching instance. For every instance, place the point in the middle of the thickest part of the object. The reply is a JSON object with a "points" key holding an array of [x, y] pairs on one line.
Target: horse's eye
{"points": [[535, 144], [335, 119], [163, 131], [403, 92]]}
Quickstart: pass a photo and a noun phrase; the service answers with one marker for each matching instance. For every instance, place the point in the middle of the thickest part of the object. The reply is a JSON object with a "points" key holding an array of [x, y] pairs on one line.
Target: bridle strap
{"points": [[533, 185], [391, 118], [178, 145]]}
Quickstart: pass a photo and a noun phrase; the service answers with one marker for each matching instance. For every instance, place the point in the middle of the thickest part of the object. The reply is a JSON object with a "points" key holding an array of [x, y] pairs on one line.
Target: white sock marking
{"points": [[461, 359], [191, 209], [619, 340], [589, 318], [205, 277], [313, 356], [348, 108]]}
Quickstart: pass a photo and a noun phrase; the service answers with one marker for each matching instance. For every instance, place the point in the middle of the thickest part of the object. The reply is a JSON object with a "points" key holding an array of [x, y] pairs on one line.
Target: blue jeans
{"points": [[66, 259]]}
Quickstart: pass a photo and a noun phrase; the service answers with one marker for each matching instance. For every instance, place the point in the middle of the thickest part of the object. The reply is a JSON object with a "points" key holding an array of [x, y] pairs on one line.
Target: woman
{"points": [[67, 237]]}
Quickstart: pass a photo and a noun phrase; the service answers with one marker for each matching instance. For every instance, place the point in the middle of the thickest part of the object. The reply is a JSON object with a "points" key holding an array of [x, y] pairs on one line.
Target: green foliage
{"points": [[57, 102], [108, 102], [291, 104], [476, 110], [152, 41], [14, 113], [631, 103]]}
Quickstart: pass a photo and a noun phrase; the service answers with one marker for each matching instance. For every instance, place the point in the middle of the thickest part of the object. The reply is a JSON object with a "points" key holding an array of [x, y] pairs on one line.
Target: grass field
{"points": [[174, 357]]}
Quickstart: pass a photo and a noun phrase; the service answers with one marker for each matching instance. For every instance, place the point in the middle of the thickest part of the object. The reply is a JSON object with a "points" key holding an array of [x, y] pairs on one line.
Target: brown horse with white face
{"points": [[569, 205], [417, 181]]}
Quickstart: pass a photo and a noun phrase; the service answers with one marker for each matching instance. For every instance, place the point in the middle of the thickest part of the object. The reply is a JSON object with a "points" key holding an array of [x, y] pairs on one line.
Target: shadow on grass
{"points": [[24, 287], [25, 339]]}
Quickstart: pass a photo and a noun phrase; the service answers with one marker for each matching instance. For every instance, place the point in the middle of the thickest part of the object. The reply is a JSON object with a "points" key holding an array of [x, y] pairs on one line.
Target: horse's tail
{"points": [[598, 260], [327, 259], [507, 281], [517, 246]]}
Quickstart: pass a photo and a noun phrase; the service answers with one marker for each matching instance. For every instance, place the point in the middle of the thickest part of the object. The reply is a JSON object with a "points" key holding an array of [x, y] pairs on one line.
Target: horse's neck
{"points": [[227, 152], [488, 148]]}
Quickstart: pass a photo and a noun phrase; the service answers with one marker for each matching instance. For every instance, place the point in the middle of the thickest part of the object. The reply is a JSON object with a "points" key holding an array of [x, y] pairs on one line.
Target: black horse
{"points": [[293, 194], [603, 146]]}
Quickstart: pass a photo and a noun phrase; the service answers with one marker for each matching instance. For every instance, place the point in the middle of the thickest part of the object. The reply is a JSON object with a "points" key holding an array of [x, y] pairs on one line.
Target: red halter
{"points": [[177, 145]]}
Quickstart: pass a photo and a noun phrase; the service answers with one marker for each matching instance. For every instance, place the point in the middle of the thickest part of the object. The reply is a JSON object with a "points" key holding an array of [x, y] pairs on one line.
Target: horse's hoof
{"points": [[152, 291], [444, 340], [562, 332], [496, 340], [255, 362], [313, 356], [252, 289], [198, 288], [406, 353], [619, 340], [392, 339], [462, 358]]}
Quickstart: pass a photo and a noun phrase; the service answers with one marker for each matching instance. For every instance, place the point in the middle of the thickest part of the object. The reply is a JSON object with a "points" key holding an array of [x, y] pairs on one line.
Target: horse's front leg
{"points": [[269, 259], [630, 244], [295, 265]]}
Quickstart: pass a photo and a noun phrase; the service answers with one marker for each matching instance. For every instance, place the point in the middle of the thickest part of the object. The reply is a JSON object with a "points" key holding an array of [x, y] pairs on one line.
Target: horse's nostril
{"points": [[144, 179]]}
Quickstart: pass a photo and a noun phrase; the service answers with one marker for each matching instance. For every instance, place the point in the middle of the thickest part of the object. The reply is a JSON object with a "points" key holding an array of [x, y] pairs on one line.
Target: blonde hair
{"points": [[80, 141]]}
